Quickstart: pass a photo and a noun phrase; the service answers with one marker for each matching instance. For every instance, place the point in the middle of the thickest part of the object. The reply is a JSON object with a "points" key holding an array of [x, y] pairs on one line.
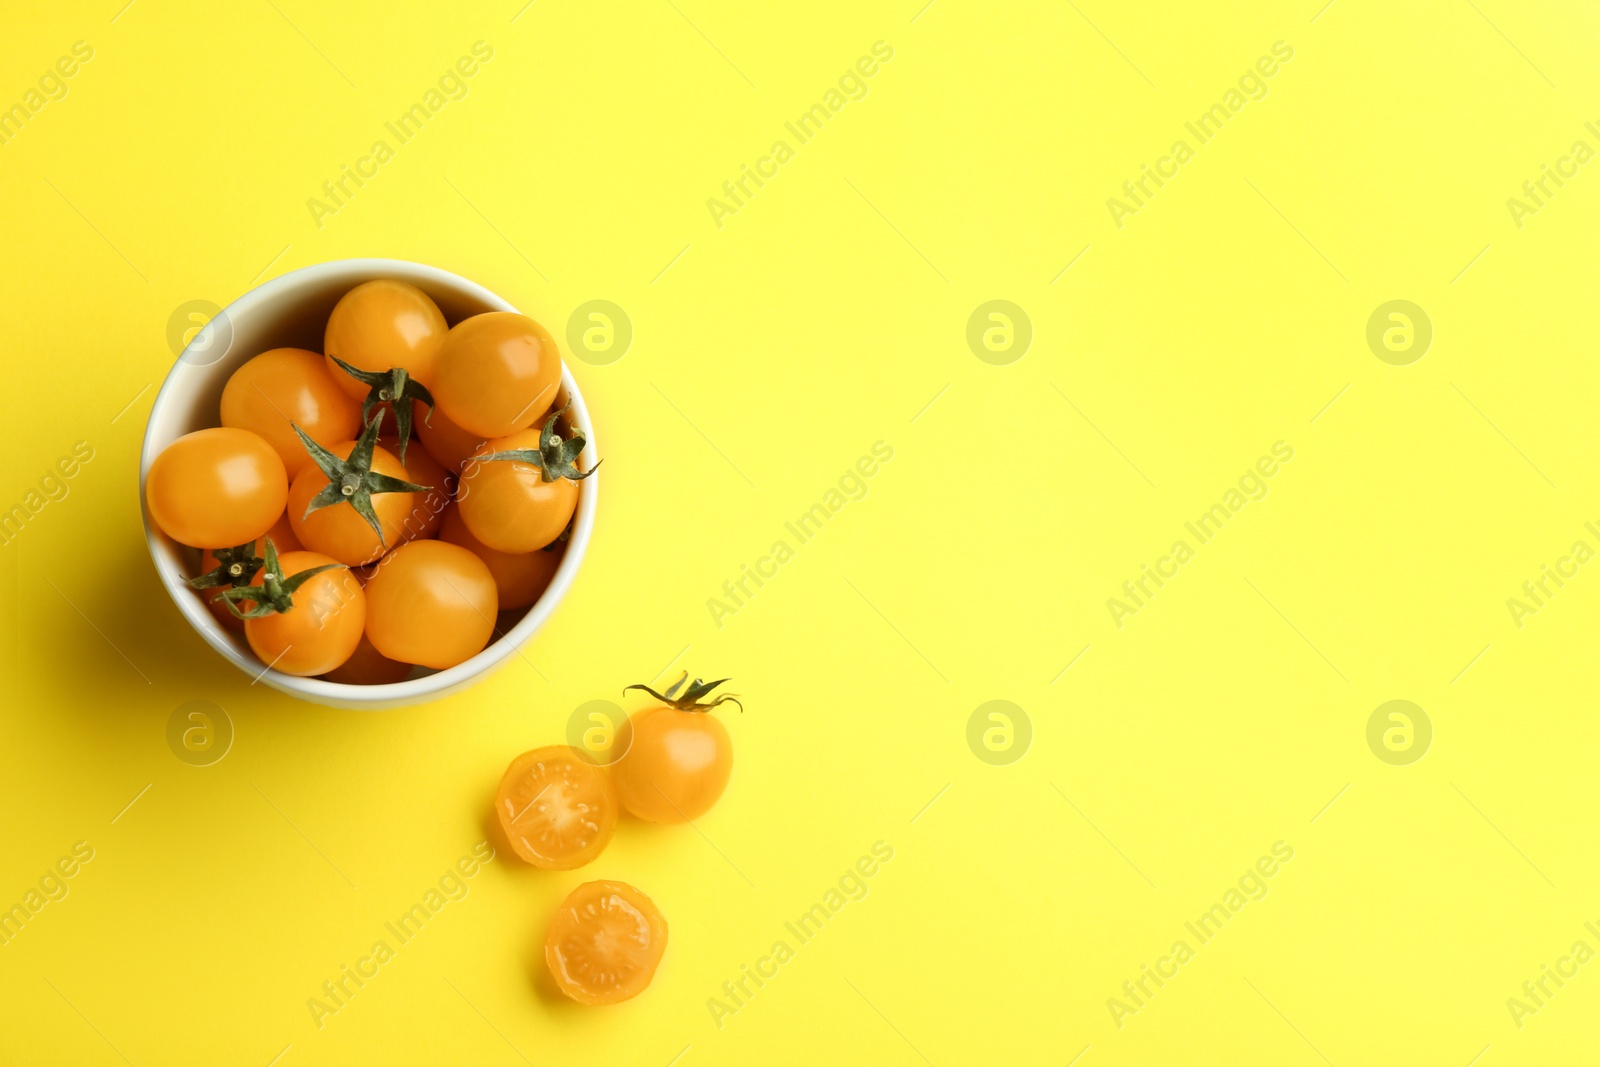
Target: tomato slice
{"points": [[605, 942], [557, 808]]}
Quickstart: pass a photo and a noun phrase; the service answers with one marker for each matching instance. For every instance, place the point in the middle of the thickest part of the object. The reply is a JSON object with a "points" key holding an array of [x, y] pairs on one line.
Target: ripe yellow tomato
{"points": [[676, 764], [422, 469], [283, 539], [605, 943], [289, 385], [368, 666], [430, 603], [519, 578], [496, 373], [508, 505], [380, 325], [217, 487], [340, 531], [444, 440], [558, 809], [321, 629]]}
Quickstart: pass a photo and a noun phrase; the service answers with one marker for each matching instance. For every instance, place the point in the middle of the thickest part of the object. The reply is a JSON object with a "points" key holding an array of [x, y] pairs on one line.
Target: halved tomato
{"points": [[558, 809], [605, 943]]}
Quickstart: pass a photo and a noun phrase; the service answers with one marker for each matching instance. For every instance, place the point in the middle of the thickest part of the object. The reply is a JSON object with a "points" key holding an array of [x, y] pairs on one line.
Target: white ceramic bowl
{"points": [[291, 311]]}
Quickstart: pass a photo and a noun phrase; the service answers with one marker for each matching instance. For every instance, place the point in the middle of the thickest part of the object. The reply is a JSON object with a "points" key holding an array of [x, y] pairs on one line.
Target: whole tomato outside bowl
{"points": [[291, 311]]}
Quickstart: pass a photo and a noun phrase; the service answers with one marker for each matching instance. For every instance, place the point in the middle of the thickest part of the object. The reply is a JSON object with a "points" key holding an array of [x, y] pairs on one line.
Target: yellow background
{"points": [[769, 354]]}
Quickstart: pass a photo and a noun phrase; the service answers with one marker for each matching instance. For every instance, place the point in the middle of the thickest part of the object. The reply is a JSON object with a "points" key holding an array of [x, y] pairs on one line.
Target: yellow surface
{"points": [[829, 312]]}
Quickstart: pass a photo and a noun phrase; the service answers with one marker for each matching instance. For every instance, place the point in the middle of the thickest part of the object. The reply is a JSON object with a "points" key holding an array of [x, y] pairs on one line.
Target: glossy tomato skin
{"points": [[283, 539], [217, 487], [322, 629], [519, 578], [508, 505], [425, 519], [368, 666], [444, 440], [380, 325], [676, 764], [284, 385], [496, 373], [340, 531], [557, 808], [605, 943], [431, 603]]}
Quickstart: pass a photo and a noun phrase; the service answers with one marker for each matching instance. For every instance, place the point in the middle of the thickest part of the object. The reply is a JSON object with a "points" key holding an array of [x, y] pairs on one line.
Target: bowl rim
{"points": [[165, 553]]}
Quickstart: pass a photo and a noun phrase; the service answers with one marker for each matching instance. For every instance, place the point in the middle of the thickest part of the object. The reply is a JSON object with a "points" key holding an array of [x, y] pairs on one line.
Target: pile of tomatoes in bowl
{"points": [[374, 511]]}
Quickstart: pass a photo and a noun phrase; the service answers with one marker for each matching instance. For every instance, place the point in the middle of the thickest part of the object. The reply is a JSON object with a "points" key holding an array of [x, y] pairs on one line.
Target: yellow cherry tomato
{"points": [[496, 373], [444, 440], [322, 628], [422, 469], [676, 764], [217, 487], [284, 385], [520, 578], [380, 325], [368, 666], [507, 504], [340, 531], [431, 603]]}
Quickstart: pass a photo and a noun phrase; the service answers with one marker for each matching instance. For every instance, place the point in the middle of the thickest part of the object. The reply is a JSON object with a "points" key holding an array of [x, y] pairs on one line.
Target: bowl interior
{"points": [[291, 311]]}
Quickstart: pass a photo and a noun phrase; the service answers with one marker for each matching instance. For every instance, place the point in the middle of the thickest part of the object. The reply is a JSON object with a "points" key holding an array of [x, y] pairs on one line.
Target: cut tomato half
{"points": [[557, 808], [605, 943]]}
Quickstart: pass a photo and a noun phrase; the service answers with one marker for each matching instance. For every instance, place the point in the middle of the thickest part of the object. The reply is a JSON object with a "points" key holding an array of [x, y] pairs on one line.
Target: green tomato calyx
{"points": [[554, 458], [275, 594], [235, 567], [394, 384], [689, 697], [352, 480]]}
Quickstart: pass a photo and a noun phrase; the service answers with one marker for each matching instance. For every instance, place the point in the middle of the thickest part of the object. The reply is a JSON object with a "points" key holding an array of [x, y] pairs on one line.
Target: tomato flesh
{"points": [[558, 810], [605, 943]]}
